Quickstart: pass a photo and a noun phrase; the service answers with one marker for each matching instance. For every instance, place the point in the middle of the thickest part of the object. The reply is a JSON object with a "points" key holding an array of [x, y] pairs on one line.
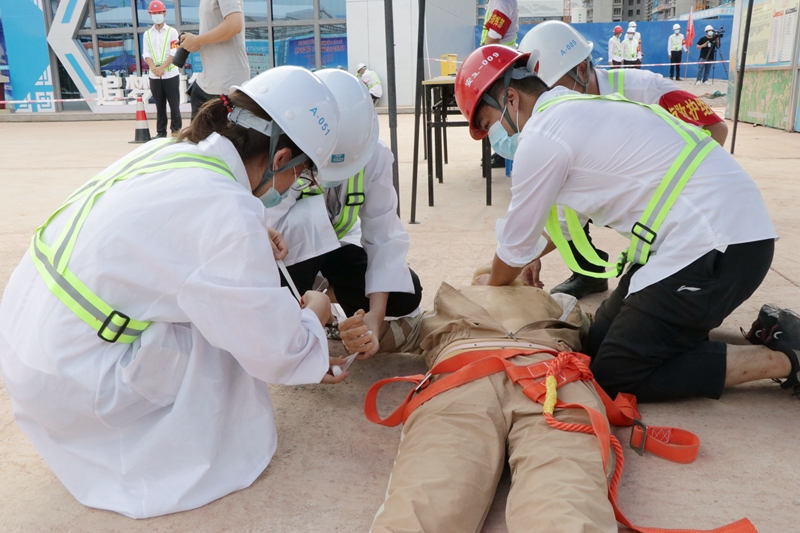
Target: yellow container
{"points": [[448, 64]]}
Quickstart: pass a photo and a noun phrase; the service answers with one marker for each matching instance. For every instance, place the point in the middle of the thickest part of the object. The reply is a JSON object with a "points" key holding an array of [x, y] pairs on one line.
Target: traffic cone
{"points": [[142, 130]]}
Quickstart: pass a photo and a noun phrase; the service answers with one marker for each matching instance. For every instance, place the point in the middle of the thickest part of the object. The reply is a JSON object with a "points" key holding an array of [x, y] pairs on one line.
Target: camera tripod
{"points": [[722, 58]]}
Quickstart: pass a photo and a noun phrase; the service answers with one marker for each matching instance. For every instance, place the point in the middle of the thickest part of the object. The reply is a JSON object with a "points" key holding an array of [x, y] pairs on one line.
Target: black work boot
{"points": [[784, 337], [579, 286], [760, 330], [498, 161]]}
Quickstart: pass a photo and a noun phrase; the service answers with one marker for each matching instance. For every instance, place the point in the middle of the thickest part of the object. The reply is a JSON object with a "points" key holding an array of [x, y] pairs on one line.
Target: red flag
{"points": [[690, 30]]}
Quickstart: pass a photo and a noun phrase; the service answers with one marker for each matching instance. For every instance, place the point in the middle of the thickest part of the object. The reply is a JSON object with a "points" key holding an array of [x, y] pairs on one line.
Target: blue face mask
{"points": [[503, 144], [272, 197]]}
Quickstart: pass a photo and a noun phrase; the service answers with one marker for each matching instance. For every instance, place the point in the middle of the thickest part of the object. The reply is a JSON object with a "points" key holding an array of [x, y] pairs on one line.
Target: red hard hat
{"points": [[617, 29], [478, 72], [157, 6]]}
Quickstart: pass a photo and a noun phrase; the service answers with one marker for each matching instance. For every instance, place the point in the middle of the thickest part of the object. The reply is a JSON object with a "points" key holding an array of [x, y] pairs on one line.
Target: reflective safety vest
{"points": [[159, 60], [375, 77], [675, 42], [616, 78], [645, 231], [353, 199], [52, 261], [630, 49]]}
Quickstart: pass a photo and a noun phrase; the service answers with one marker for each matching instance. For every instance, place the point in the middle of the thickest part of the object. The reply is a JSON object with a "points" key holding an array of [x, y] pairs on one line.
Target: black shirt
{"points": [[707, 52]]}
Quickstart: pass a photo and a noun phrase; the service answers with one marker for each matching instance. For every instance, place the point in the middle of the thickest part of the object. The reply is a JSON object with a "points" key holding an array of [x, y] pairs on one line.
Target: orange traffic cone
{"points": [[142, 130]]}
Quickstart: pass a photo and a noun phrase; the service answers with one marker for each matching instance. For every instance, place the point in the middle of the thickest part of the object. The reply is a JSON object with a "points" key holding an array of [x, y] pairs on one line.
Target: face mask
{"points": [[630, 36], [329, 184], [677, 32], [709, 34], [272, 197], [158, 18]]}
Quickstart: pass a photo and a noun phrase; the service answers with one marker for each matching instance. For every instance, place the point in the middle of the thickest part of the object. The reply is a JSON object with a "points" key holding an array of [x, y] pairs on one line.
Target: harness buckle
{"points": [[649, 239], [640, 426], [108, 321], [361, 197], [422, 384]]}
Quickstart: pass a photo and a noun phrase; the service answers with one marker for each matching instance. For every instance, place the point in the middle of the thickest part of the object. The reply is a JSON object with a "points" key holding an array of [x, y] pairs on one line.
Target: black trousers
{"points": [[616, 64], [675, 60], [626, 63], [167, 90], [654, 343], [198, 97], [346, 270]]}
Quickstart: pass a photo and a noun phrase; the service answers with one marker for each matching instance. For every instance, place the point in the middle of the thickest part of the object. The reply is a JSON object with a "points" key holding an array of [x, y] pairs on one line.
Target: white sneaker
{"points": [[707, 82], [698, 82]]}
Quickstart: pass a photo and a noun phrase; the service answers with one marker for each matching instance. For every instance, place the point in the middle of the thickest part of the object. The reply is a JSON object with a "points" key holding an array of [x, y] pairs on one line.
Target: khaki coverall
{"points": [[453, 447]]}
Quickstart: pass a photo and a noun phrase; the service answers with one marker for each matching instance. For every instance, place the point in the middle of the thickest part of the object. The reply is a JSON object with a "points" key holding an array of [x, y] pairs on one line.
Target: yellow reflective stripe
{"points": [[51, 262], [156, 60], [349, 214], [645, 230]]}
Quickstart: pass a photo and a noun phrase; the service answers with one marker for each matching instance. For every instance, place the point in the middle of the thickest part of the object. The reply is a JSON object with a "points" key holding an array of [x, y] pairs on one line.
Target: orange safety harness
{"points": [[539, 382]]}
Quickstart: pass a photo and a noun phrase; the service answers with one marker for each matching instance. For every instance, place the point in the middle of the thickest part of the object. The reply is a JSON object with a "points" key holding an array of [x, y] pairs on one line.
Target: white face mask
{"points": [[709, 34], [677, 32], [158, 18], [630, 36]]}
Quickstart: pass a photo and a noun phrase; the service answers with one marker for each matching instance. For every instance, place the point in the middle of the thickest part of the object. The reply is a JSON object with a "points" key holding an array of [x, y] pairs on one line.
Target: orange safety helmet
{"points": [[479, 71], [156, 6], [617, 29]]}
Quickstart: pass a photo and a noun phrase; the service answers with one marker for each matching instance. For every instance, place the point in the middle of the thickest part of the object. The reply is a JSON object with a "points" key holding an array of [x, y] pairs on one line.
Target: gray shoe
{"points": [[784, 337], [763, 325]]}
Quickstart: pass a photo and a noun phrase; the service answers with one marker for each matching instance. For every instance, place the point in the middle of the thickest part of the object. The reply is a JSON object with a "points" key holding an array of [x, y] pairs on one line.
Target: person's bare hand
{"points": [[329, 378], [279, 247], [373, 324], [356, 335], [191, 42], [530, 274], [319, 303]]}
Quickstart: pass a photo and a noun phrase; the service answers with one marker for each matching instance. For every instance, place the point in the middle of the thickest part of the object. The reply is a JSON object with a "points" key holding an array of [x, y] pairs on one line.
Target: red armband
{"points": [[498, 22], [689, 108]]}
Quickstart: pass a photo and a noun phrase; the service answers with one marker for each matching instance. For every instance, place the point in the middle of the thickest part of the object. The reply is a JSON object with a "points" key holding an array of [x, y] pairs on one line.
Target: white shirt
{"points": [[182, 416], [509, 13], [675, 43], [584, 154], [640, 85], [370, 79], [158, 37], [615, 49], [380, 233]]}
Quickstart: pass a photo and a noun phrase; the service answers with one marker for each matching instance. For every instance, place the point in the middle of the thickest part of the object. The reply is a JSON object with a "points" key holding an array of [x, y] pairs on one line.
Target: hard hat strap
{"points": [[489, 99]]}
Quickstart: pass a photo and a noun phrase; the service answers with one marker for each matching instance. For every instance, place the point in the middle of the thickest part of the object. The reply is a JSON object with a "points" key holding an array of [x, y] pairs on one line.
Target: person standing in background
{"points": [[707, 45], [222, 50], [676, 45], [501, 23], [630, 49], [638, 38], [615, 48], [158, 48]]}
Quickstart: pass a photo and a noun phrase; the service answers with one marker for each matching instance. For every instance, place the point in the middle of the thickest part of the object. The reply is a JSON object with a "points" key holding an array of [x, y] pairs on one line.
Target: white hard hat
{"points": [[709, 28], [676, 26], [631, 30], [557, 47], [632, 24], [302, 107], [359, 128], [360, 66]]}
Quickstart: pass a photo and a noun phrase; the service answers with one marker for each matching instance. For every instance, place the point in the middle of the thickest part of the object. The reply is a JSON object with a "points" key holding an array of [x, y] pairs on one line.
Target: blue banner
{"points": [[28, 58]]}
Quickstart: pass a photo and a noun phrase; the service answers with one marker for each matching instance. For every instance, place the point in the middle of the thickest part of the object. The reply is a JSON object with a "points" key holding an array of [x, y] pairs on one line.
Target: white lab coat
{"points": [[306, 226], [182, 416]]}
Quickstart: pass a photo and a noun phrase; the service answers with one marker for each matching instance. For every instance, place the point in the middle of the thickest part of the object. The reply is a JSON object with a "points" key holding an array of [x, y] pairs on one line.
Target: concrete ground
{"points": [[332, 466]]}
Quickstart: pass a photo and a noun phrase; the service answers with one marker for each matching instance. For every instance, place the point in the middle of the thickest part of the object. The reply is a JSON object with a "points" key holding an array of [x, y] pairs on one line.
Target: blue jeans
{"points": [[702, 71]]}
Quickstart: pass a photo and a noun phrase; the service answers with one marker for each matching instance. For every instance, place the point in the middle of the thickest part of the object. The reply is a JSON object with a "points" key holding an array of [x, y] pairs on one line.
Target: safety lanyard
{"points": [[354, 198], [160, 61], [645, 231], [52, 261]]}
